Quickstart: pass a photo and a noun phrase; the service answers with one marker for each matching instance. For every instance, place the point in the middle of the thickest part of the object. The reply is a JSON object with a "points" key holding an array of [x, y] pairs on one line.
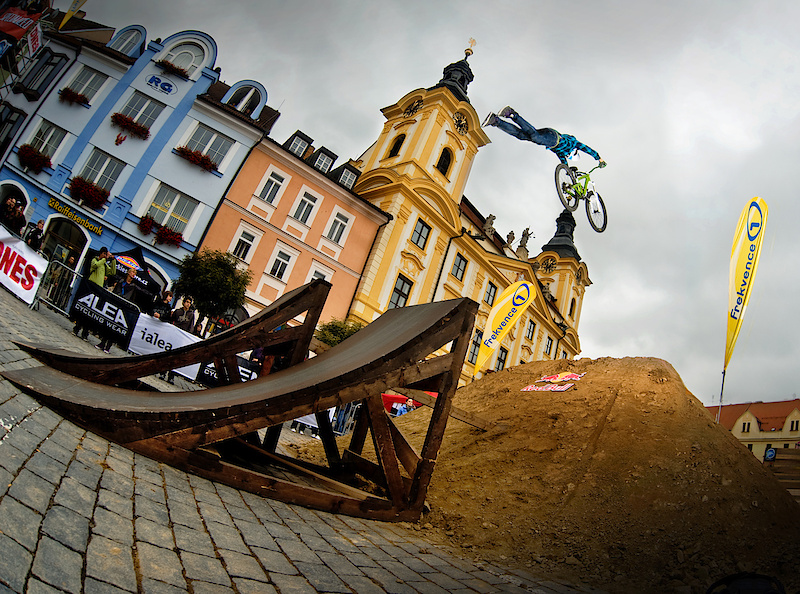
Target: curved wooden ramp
{"points": [[267, 329], [210, 432]]}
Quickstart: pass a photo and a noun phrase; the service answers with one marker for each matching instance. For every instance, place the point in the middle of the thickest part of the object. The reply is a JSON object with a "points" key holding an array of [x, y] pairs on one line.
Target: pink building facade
{"points": [[291, 216]]}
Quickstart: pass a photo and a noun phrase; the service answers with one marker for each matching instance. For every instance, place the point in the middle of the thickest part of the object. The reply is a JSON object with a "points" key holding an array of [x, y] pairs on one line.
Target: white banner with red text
{"points": [[21, 268]]}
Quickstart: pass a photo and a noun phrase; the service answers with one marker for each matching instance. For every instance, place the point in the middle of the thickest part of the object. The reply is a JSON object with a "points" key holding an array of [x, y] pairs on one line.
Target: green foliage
{"points": [[212, 278], [335, 331]]}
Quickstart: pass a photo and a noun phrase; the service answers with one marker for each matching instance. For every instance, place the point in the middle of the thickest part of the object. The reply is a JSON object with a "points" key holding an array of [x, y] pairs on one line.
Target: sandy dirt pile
{"points": [[623, 482]]}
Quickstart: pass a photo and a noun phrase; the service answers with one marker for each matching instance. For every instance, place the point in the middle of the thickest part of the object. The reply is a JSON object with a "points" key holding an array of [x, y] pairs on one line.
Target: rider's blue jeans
{"points": [[524, 131]]}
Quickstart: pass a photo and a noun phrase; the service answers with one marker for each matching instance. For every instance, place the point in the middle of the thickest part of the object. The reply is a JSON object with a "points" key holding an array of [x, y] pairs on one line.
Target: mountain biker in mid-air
{"points": [[563, 145]]}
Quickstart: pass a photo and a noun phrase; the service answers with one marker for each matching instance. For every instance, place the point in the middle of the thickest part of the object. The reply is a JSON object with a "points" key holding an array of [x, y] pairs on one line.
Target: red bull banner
{"points": [[15, 22], [507, 311], [744, 261], [564, 376]]}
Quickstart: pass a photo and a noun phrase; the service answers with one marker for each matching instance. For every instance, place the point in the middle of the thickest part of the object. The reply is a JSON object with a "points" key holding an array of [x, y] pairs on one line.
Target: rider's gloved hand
{"points": [[602, 163]]}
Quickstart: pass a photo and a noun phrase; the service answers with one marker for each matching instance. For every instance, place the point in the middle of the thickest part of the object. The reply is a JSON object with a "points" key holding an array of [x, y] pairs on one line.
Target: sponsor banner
{"points": [[744, 260], [35, 39], [102, 311], [547, 388], [208, 373], [73, 8], [21, 268], [506, 312], [16, 22], [564, 376], [151, 335]]}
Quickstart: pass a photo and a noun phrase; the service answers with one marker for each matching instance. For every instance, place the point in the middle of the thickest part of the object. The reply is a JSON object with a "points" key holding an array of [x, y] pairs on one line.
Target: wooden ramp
{"points": [[211, 432], [268, 329]]}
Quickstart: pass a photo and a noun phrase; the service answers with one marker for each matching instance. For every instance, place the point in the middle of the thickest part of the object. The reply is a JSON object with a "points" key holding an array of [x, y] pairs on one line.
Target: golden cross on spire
{"points": [[472, 43]]}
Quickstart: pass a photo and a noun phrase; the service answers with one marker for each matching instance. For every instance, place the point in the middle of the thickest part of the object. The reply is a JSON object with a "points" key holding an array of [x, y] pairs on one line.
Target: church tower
{"points": [[417, 171]]}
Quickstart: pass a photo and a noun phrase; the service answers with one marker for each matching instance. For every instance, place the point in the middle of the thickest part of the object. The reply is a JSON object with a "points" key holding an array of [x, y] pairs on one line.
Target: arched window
{"points": [[127, 41], [187, 56], [395, 150], [245, 99], [572, 308], [444, 161]]}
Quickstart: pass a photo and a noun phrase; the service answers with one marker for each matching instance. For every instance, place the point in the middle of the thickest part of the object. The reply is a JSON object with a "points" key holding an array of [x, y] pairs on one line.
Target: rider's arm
{"points": [[589, 151]]}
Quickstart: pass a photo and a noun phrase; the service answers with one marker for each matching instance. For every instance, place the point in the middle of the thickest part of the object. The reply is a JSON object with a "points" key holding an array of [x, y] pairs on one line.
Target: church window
{"points": [[401, 292], [572, 308], [395, 150], [420, 235], [459, 267], [501, 359], [491, 292], [445, 160]]}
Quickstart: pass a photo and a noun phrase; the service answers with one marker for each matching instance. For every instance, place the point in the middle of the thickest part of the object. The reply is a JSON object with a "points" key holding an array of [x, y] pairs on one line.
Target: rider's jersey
{"points": [[568, 144]]}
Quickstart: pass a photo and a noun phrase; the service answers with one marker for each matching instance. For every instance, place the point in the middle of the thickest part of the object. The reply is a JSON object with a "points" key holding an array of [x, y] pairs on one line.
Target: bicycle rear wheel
{"points": [[565, 182], [596, 212]]}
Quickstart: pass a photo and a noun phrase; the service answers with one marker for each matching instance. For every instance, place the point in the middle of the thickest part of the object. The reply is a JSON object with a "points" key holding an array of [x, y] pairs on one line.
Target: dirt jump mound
{"points": [[623, 482]]}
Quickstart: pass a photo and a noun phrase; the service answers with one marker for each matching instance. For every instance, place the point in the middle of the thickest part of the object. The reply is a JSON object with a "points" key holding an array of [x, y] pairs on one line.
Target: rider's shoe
{"points": [[507, 112], [490, 120]]}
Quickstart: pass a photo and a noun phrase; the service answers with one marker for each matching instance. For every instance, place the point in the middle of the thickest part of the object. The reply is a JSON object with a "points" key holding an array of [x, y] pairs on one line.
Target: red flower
{"points": [[70, 96], [146, 224], [85, 191], [127, 123], [171, 68], [168, 236], [196, 158], [32, 159]]}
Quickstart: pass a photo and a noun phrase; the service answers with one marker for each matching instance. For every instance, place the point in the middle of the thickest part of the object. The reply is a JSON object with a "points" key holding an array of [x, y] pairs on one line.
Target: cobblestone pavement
{"points": [[81, 514]]}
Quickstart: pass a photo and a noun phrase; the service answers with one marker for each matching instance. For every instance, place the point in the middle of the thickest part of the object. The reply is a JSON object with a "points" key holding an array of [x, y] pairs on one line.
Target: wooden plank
{"points": [[455, 412], [368, 469], [384, 448], [328, 440], [407, 455]]}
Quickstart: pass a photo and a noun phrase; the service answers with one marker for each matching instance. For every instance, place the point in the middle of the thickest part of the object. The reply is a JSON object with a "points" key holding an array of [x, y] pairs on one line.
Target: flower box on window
{"points": [[32, 159], [196, 158], [171, 68], [69, 96], [85, 191], [127, 123], [168, 236], [146, 224]]}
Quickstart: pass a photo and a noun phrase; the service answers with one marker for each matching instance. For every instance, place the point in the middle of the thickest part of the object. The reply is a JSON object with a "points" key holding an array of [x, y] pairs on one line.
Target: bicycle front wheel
{"points": [[565, 185], [596, 212]]}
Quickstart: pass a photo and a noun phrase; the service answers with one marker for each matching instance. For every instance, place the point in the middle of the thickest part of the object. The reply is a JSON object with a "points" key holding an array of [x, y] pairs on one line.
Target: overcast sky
{"points": [[694, 105]]}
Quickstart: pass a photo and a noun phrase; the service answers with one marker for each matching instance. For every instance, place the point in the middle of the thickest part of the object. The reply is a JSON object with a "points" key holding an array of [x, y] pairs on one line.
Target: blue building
{"points": [[134, 136]]}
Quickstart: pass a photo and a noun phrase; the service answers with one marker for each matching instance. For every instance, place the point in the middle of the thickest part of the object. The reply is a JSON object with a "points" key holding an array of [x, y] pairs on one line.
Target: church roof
{"points": [[562, 242]]}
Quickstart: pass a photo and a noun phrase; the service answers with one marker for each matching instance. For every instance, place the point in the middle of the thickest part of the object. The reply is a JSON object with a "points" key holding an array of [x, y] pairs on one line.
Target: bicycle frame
{"points": [[584, 185]]}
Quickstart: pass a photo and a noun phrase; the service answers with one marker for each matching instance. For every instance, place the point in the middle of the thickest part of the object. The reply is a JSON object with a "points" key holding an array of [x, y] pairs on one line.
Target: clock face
{"points": [[413, 108], [461, 123], [549, 265]]}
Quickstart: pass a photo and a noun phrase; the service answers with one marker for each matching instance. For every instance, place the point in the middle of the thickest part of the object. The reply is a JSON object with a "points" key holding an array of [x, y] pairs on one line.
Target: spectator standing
{"points": [[126, 288], [35, 236], [163, 307], [103, 265], [7, 210], [183, 317]]}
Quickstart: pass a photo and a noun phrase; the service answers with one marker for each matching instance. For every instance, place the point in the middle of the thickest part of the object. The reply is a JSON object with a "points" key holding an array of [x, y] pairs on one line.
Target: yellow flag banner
{"points": [[73, 8], [744, 261], [506, 312]]}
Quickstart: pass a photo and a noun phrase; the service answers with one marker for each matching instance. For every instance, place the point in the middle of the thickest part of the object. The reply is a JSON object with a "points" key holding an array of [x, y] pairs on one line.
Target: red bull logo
{"points": [[547, 388], [564, 376]]}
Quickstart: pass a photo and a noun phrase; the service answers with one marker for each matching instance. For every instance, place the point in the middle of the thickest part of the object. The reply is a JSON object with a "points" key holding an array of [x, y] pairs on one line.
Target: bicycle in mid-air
{"points": [[574, 186]]}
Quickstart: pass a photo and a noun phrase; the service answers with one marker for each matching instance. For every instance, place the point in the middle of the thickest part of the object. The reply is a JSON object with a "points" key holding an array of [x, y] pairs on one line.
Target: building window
{"points": [[298, 146], [243, 245], [746, 427], [126, 42], [47, 138], [572, 308], [338, 226], [491, 292], [88, 82], [563, 354], [271, 188], [40, 74], [172, 209], [530, 330], [421, 233], [245, 99], [459, 267], [501, 359], [395, 150], [10, 121], [794, 425], [750, 446], [142, 109], [401, 292], [102, 169], [210, 143], [305, 207], [318, 275], [444, 161], [323, 163], [474, 347], [348, 178], [280, 264], [187, 56], [548, 346]]}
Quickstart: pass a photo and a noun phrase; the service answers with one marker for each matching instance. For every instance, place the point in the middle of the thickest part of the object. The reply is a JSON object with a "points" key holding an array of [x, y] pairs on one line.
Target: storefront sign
{"points": [[74, 216]]}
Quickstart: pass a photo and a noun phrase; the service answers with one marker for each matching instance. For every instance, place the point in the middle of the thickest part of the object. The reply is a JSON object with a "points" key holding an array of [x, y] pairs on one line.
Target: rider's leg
{"points": [[544, 136], [510, 128]]}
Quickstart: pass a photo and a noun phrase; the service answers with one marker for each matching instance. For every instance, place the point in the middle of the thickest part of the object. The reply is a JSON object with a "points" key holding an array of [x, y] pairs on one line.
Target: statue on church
{"points": [[509, 240], [488, 227], [526, 234]]}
